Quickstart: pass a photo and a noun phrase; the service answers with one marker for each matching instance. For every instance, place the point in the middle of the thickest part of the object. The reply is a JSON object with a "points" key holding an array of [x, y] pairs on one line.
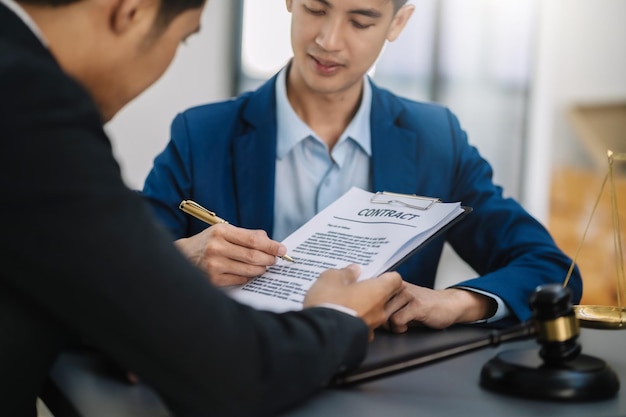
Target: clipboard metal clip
{"points": [[413, 201]]}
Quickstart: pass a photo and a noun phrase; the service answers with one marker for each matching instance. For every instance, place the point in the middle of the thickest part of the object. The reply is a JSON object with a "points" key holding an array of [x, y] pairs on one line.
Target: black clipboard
{"points": [[416, 202], [466, 210], [391, 353]]}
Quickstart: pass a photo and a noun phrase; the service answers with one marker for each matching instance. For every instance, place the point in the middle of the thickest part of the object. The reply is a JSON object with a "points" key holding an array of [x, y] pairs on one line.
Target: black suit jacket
{"points": [[80, 255]]}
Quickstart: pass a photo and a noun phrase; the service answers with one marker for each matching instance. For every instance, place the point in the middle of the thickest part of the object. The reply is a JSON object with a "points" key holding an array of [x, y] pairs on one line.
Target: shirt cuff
{"points": [[338, 307], [502, 309]]}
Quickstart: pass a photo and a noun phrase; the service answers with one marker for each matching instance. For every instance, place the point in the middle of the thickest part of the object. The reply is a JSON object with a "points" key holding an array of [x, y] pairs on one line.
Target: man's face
{"points": [[142, 62], [335, 42]]}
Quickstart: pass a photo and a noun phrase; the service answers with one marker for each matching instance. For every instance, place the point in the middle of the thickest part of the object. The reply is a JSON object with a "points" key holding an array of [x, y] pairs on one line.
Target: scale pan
{"points": [[601, 317]]}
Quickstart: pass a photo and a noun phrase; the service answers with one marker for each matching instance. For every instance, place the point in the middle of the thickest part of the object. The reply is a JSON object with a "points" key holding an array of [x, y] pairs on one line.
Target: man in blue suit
{"points": [[272, 158]]}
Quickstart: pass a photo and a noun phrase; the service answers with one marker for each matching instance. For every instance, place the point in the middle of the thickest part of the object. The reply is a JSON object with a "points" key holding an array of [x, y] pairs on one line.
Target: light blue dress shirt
{"points": [[309, 177]]}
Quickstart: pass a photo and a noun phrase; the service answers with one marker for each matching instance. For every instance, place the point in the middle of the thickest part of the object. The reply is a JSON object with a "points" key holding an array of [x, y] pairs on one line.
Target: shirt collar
{"points": [[25, 17], [291, 129]]}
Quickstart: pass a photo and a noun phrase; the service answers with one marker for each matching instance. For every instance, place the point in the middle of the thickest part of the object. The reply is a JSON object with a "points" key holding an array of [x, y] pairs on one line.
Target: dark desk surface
{"points": [[451, 388], [446, 388]]}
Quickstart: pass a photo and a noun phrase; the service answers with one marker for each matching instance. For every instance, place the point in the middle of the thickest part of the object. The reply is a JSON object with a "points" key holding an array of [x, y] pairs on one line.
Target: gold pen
{"points": [[208, 216]]}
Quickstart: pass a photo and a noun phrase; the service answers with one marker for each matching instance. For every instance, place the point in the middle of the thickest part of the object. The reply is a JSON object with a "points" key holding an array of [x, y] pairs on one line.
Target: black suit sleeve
{"points": [[81, 247]]}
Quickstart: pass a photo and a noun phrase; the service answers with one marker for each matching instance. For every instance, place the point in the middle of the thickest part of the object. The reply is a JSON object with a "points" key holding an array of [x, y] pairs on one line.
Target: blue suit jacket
{"points": [[223, 156]]}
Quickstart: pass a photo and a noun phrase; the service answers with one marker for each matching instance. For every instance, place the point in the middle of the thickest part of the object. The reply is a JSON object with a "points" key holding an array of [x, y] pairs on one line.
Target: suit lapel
{"points": [[394, 154], [254, 160], [394, 149]]}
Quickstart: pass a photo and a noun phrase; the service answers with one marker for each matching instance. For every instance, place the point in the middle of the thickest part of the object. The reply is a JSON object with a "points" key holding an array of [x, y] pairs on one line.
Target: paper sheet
{"points": [[351, 230]]}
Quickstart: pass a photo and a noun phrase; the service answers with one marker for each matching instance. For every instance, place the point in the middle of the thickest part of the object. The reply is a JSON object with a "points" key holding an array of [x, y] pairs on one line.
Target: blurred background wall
{"points": [[512, 70]]}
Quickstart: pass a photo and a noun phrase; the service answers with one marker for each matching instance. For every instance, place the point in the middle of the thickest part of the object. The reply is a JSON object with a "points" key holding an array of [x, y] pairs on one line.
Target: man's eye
{"points": [[360, 25], [314, 12]]}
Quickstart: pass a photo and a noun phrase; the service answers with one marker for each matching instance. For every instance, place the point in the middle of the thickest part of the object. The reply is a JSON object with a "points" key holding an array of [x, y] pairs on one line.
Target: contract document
{"points": [[369, 229]]}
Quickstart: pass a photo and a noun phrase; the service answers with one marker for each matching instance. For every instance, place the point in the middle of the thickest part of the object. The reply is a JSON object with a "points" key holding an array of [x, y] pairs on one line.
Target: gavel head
{"points": [[555, 323], [560, 371]]}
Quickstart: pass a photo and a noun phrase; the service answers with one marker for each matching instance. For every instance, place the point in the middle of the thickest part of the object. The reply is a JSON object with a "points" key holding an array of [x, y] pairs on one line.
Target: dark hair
{"points": [[397, 4], [168, 9]]}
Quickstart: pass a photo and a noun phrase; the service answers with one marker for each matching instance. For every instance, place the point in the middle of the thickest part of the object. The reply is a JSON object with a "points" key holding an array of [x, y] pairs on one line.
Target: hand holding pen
{"points": [[208, 216], [229, 255]]}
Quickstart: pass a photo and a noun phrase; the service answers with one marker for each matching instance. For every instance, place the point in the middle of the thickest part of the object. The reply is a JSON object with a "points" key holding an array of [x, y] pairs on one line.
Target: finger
{"points": [[250, 257], [354, 267], [224, 266], [351, 273], [345, 276], [400, 300], [399, 320], [255, 239], [220, 250], [225, 280], [388, 284], [398, 328]]}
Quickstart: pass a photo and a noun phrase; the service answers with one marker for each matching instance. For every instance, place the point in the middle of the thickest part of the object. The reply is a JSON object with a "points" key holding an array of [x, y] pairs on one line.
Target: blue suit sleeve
{"points": [[169, 181], [511, 251]]}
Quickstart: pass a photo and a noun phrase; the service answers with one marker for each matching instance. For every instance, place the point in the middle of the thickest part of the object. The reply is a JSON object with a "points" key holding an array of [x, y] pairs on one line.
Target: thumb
{"points": [[353, 271]]}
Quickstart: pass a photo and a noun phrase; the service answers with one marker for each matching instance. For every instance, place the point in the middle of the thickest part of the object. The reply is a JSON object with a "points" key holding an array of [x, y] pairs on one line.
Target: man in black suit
{"points": [[81, 258]]}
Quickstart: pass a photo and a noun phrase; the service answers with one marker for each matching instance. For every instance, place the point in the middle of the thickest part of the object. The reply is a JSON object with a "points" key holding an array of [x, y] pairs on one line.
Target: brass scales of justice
{"points": [[601, 316]]}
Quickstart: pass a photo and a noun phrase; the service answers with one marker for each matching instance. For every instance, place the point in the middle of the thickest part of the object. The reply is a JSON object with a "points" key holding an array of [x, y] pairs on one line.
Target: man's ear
{"points": [[289, 4], [399, 21], [126, 13]]}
